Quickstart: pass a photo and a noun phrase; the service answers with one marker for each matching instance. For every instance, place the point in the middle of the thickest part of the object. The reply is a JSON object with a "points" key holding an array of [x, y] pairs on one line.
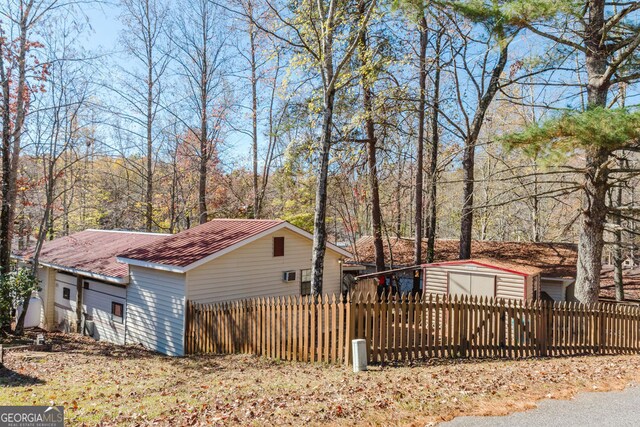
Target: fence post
{"points": [[349, 325], [501, 329], [544, 328], [601, 328], [187, 325]]}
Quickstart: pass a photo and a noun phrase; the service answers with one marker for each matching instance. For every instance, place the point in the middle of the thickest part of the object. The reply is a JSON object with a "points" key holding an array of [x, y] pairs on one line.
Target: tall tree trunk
{"points": [[433, 157], [319, 222], [596, 175], [397, 196], [148, 197], [254, 115], [376, 213], [617, 247], [535, 206], [417, 248], [5, 241], [202, 179], [466, 221], [11, 143], [591, 237], [468, 159], [43, 229], [173, 193], [204, 151], [329, 74]]}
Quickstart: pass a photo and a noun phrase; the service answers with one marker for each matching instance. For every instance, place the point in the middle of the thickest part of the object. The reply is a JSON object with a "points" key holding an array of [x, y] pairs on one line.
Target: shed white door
{"points": [[459, 283], [483, 286], [472, 284]]}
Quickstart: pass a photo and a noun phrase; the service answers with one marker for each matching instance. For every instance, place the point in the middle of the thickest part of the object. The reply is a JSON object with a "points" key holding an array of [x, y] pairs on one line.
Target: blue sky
{"points": [[106, 29]]}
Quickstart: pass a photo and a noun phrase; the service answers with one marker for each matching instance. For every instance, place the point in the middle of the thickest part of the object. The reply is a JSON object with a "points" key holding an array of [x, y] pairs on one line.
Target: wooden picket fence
{"points": [[404, 327]]}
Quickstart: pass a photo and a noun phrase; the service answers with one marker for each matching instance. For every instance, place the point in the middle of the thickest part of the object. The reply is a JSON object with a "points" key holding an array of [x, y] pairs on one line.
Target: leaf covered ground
{"points": [[102, 384]]}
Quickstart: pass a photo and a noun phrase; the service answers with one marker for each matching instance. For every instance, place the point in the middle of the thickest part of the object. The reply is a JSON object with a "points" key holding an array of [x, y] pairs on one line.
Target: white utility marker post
{"points": [[359, 348]]}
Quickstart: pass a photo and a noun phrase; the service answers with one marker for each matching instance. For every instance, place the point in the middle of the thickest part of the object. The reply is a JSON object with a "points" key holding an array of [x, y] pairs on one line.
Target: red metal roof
{"points": [[194, 244], [94, 251]]}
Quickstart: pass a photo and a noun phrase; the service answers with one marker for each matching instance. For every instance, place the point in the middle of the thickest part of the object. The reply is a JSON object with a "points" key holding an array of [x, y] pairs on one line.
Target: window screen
{"points": [[278, 246]]}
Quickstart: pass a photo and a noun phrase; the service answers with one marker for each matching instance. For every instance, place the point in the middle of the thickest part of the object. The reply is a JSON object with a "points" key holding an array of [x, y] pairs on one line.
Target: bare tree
{"points": [[423, 31], [18, 79], [322, 30], [58, 127], [201, 57], [367, 77], [147, 45]]}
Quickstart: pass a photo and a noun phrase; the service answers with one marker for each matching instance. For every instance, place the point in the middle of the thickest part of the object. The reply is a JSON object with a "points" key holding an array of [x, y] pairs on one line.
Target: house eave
{"points": [[85, 273], [566, 281], [152, 265]]}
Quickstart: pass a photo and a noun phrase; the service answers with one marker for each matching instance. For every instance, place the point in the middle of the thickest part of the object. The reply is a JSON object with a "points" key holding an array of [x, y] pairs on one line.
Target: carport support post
{"points": [[79, 299]]}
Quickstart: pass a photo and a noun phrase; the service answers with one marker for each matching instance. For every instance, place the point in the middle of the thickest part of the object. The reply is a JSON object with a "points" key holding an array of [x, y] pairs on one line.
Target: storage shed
{"points": [[556, 262], [482, 278]]}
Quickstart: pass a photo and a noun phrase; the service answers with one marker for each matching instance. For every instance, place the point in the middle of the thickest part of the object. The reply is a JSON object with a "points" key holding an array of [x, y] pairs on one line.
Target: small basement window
{"points": [[66, 293], [86, 284], [117, 310], [278, 246]]}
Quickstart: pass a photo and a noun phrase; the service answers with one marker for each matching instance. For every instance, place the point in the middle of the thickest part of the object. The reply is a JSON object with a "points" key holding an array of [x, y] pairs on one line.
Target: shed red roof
{"points": [[194, 244], [93, 251], [522, 269]]}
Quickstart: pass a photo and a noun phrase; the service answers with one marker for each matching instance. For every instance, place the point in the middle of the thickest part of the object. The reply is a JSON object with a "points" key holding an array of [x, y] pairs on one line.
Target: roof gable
{"points": [[199, 245]]}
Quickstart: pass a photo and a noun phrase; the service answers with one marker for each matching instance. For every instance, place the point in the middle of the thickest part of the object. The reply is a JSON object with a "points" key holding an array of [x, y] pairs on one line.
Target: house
{"points": [[552, 265], [133, 287]]}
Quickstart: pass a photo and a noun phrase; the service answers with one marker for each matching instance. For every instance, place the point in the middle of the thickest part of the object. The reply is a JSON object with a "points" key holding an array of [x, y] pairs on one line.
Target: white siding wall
{"points": [[97, 306], [508, 285], [253, 271], [65, 310], [155, 310], [511, 286], [554, 289]]}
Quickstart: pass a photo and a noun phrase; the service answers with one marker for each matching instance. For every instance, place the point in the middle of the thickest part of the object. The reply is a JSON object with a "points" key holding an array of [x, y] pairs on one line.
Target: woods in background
{"points": [[492, 120]]}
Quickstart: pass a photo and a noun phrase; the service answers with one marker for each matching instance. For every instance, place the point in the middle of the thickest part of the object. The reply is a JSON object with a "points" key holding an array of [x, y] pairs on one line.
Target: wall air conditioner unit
{"points": [[289, 276]]}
